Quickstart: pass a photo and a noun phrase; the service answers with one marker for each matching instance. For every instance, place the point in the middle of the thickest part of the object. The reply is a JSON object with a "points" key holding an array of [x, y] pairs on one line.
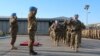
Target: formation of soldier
{"points": [[91, 32], [67, 32], [32, 27]]}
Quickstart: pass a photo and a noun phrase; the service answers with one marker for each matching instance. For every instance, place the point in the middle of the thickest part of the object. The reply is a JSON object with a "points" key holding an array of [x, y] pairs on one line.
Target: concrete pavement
{"points": [[89, 47]]}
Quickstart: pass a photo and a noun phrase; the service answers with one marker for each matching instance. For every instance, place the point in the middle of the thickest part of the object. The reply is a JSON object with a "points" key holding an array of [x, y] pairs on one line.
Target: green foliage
{"points": [[1, 33]]}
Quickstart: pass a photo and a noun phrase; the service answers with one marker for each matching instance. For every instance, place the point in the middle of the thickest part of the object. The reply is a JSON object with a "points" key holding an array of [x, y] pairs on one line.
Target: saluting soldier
{"points": [[13, 30], [32, 27]]}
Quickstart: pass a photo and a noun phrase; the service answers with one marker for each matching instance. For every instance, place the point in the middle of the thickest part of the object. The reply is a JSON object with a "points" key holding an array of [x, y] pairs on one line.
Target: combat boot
{"points": [[33, 53]]}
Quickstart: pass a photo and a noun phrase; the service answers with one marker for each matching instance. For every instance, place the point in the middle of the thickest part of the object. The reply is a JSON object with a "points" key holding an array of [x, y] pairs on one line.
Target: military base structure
{"points": [[92, 30], [43, 25]]}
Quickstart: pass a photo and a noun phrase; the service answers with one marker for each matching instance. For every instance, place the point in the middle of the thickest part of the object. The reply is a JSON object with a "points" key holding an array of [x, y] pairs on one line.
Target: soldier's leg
{"points": [[68, 39], [80, 38], [59, 38], [51, 35], [72, 41], [32, 39], [98, 34], [65, 38], [13, 40], [77, 42], [56, 38]]}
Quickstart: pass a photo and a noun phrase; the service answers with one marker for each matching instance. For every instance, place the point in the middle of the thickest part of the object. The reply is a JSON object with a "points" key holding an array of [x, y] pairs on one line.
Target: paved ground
{"points": [[89, 47]]}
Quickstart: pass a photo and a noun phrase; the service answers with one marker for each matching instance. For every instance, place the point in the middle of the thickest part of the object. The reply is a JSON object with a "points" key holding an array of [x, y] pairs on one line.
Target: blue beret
{"points": [[13, 14], [76, 15], [33, 9]]}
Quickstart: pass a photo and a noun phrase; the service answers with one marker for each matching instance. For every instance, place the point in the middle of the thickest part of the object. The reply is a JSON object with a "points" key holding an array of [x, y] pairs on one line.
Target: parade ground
{"points": [[89, 47]]}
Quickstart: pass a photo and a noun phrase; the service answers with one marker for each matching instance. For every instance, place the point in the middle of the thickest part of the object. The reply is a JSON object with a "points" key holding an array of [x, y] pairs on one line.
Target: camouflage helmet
{"points": [[13, 14], [33, 8]]}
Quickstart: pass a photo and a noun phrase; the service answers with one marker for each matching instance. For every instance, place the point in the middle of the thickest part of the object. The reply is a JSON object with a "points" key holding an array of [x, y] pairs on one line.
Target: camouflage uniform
{"points": [[61, 32], [32, 27], [74, 36], [76, 27], [57, 34], [80, 27], [98, 34], [68, 33], [51, 31], [13, 29]]}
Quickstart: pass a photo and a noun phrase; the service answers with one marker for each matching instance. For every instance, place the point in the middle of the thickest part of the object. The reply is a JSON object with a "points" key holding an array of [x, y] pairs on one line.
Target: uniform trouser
{"points": [[52, 35], [64, 37], [80, 37], [57, 36], [68, 38], [75, 40], [32, 39], [13, 36]]}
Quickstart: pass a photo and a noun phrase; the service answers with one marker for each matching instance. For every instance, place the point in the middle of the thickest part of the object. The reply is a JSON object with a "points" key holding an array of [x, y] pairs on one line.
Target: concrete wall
{"points": [[43, 25], [22, 29]]}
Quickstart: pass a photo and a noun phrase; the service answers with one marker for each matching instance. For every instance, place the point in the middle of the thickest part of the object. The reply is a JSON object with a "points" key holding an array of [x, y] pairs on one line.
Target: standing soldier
{"points": [[32, 27], [13, 29]]}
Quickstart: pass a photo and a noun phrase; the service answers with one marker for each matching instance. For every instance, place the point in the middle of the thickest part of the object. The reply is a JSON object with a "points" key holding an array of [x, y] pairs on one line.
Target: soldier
{"points": [[56, 33], [65, 31], [81, 26], [51, 30], [68, 32], [13, 30], [74, 42], [60, 32], [32, 27]]}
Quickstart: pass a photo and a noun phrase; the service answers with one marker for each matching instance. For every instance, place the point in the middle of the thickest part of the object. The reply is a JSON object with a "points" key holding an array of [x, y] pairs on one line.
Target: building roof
{"points": [[38, 19]]}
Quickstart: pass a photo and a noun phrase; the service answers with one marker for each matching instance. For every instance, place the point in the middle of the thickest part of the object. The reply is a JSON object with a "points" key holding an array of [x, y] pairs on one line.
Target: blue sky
{"points": [[52, 8]]}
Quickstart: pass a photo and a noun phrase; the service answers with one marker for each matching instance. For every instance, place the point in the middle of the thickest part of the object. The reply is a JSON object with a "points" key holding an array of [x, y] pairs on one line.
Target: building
{"points": [[42, 28]]}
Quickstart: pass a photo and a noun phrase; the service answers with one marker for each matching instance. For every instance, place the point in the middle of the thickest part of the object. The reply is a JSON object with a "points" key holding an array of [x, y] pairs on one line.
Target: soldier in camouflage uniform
{"points": [[65, 31], [68, 32], [74, 42], [81, 26], [98, 33], [51, 31], [76, 28], [13, 29], [32, 27], [56, 33]]}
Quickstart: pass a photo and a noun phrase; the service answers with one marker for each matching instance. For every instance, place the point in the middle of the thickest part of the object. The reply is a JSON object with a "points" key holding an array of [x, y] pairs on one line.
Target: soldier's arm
{"points": [[12, 20], [29, 17], [83, 26], [52, 27]]}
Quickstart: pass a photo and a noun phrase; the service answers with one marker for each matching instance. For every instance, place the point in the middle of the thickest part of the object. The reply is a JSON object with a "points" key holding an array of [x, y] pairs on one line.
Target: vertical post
{"points": [[86, 17], [86, 8]]}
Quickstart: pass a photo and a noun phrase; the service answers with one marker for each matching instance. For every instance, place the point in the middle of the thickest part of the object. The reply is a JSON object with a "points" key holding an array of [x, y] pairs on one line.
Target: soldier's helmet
{"points": [[13, 14], [33, 8]]}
